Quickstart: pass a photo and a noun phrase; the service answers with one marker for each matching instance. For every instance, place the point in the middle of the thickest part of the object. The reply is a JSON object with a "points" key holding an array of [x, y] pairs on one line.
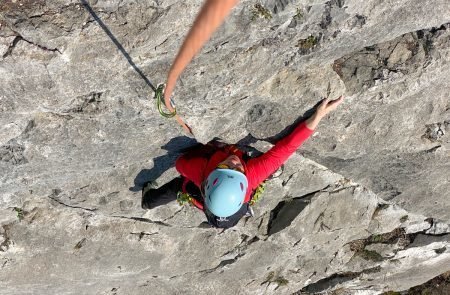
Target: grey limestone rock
{"points": [[362, 208]]}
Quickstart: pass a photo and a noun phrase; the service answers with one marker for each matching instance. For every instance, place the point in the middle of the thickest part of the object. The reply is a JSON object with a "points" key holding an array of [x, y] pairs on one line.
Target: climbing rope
{"points": [[159, 96]]}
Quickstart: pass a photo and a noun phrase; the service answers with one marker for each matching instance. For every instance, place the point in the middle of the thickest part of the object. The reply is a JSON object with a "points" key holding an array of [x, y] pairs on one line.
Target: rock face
{"points": [[362, 208]]}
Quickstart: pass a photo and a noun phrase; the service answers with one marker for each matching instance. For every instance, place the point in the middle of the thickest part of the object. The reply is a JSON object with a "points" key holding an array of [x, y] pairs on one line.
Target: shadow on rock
{"points": [[175, 147], [117, 43]]}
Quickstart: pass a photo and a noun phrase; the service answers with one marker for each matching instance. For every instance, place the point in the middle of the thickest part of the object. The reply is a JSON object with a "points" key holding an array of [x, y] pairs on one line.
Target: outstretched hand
{"points": [[325, 107]]}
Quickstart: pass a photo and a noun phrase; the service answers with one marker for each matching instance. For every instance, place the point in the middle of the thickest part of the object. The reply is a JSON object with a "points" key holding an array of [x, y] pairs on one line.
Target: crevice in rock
{"points": [[143, 234], [80, 244], [174, 214], [30, 126], [56, 192], [210, 270], [42, 47], [141, 219], [335, 279], [242, 247], [285, 182], [223, 263], [53, 197], [289, 210], [19, 38], [12, 46]]}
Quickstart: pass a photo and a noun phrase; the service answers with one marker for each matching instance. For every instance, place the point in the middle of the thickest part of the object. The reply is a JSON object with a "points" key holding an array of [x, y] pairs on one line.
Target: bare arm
{"points": [[324, 108], [211, 16]]}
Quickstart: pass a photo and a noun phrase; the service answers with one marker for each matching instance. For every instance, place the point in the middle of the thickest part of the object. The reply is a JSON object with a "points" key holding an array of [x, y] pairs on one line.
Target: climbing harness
{"points": [[159, 97]]}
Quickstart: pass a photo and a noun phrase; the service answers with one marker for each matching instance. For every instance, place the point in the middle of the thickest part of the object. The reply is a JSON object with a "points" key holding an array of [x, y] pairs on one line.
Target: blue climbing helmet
{"points": [[225, 191]]}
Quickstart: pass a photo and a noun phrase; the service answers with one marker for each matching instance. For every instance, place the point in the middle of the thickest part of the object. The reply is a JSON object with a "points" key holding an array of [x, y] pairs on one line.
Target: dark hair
{"points": [[226, 222]]}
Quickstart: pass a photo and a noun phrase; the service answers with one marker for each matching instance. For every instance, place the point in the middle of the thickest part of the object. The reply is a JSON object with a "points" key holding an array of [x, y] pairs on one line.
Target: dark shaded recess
{"points": [[117, 43], [326, 17], [360, 70], [424, 239], [12, 46], [334, 280], [175, 147], [4, 246], [90, 103], [12, 152], [338, 3], [286, 211], [398, 236], [280, 5], [439, 285]]}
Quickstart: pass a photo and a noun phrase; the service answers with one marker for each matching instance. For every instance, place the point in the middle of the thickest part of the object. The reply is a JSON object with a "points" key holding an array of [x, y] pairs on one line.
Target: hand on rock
{"points": [[328, 106], [325, 107]]}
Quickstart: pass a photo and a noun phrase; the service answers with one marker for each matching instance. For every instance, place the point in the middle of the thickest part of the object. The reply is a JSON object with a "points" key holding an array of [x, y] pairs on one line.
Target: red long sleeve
{"points": [[192, 168], [260, 168]]}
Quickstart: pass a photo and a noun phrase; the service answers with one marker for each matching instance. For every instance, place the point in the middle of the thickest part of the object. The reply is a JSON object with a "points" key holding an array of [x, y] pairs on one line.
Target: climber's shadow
{"points": [[175, 147]]}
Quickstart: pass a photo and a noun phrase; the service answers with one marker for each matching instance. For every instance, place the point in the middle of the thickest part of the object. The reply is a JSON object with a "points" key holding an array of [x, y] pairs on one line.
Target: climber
{"points": [[225, 182]]}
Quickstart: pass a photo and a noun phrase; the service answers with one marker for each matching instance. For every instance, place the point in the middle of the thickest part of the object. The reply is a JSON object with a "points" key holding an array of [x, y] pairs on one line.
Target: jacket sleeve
{"points": [[191, 167], [260, 168]]}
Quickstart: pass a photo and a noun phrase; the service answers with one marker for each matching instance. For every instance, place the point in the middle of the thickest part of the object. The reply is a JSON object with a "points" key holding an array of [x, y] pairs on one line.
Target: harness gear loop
{"points": [[183, 198], [258, 193], [159, 96]]}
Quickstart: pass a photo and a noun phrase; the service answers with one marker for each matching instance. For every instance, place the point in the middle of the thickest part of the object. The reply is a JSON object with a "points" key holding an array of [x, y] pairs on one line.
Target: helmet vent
{"points": [[215, 181], [242, 187]]}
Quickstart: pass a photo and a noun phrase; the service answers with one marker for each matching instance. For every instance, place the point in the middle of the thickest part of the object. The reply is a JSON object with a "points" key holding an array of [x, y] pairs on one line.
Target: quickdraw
{"points": [[159, 96]]}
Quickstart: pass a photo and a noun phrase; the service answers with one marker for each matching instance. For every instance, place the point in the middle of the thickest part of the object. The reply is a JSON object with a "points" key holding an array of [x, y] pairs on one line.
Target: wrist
{"points": [[313, 121]]}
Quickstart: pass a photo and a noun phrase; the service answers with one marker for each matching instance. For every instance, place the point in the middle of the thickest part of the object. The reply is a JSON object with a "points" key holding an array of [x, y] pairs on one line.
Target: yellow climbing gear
{"points": [[159, 96], [258, 193], [183, 198]]}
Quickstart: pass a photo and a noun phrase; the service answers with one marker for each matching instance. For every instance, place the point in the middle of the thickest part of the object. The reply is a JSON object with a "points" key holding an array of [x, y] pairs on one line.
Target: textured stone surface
{"points": [[364, 208]]}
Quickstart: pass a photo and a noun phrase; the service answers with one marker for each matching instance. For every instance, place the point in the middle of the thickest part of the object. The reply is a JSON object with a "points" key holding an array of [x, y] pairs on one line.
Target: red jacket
{"points": [[197, 168]]}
